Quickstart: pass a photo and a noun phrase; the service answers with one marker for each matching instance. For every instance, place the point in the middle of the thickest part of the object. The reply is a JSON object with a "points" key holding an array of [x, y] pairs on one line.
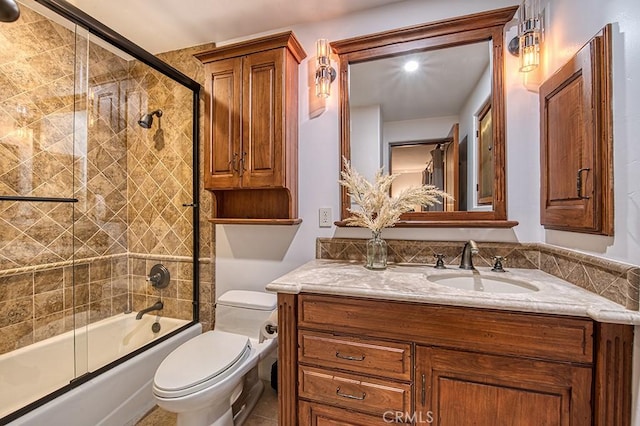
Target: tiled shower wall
{"points": [[130, 184], [184, 61]]}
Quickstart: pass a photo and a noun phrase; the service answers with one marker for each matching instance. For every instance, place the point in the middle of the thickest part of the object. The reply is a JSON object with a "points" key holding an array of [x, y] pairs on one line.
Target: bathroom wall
{"points": [[130, 184], [276, 250], [39, 157], [184, 61], [562, 40], [242, 265], [366, 127], [160, 169]]}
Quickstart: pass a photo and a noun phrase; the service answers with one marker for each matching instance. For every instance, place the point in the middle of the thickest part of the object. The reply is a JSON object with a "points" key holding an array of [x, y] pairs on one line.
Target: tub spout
{"points": [[155, 307]]}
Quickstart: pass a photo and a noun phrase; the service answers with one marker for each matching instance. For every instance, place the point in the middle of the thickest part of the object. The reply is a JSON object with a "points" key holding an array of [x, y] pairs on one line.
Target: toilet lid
{"points": [[256, 300], [199, 360]]}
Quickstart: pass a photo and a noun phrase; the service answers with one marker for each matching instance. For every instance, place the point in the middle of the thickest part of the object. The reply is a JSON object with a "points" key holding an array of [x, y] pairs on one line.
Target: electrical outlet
{"points": [[324, 217]]}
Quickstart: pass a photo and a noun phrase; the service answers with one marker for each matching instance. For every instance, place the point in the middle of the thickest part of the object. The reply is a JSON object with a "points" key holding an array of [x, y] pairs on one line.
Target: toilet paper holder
{"points": [[271, 329]]}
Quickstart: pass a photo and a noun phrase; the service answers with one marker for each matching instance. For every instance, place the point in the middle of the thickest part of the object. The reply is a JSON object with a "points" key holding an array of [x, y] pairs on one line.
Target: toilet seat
{"points": [[200, 363]]}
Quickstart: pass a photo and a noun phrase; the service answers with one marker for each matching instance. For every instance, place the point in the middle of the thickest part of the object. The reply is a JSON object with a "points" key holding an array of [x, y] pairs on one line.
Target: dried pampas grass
{"points": [[378, 209]]}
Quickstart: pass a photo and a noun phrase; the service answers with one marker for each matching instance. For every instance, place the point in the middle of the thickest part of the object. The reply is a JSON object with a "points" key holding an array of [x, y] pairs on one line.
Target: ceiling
{"points": [[440, 87], [164, 25]]}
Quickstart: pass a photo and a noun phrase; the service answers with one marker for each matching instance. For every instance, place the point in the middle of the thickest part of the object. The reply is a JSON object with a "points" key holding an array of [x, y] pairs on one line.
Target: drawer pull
{"points": [[349, 358], [346, 395]]}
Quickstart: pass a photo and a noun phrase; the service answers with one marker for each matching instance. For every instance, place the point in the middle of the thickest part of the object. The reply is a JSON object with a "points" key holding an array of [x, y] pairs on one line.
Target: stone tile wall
{"points": [[616, 281], [177, 296], [184, 61], [43, 301], [56, 140]]}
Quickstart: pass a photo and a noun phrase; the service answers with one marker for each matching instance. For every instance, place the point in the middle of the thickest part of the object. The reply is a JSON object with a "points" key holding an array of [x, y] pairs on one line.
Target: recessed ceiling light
{"points": [[411, 66]]}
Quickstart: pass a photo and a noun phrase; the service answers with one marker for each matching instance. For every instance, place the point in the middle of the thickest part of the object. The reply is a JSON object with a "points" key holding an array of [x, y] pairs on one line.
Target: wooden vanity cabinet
{"points": [[251, 153], [353, 361], [456, 386]]}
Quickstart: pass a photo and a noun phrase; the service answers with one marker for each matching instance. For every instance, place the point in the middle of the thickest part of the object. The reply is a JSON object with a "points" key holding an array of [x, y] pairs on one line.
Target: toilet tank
{"points": [[244, 312]]}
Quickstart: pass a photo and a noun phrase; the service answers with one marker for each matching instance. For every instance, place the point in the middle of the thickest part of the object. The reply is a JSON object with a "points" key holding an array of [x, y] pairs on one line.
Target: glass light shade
{"points": [[322, 52], [529, 11], [529, 32], [323, 82], [529, 51]]}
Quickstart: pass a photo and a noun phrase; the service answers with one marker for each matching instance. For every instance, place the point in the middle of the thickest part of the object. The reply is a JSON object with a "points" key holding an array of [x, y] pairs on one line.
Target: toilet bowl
{"points": [[202, 378]]}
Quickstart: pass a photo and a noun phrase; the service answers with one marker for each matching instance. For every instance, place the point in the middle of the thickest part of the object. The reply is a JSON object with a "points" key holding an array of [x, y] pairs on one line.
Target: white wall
{"points": [[468, 127], [252, 256], [570, 24], [366, 129]]}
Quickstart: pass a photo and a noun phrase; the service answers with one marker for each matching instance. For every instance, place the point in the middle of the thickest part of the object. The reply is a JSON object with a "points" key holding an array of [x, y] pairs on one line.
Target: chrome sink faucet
{"points": [[155, 307], [470, 248]]}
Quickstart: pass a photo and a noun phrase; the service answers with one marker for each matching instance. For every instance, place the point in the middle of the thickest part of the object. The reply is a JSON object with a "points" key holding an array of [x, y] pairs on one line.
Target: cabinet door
{"points": [[222, 153], [262, 103], [463, 388], [576, 176]]}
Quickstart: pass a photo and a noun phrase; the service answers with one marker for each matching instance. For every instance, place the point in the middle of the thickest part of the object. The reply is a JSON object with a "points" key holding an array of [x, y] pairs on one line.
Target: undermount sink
{"points": [[477, 282]]}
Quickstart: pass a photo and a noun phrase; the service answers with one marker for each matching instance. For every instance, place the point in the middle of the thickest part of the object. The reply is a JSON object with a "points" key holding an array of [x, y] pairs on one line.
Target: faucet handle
{"points": [[159, 276], [439, 261], [497, 266]]}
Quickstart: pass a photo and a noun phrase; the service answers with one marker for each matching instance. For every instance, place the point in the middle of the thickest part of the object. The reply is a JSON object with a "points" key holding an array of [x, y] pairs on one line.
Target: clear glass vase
{"points": [[376, 252]]}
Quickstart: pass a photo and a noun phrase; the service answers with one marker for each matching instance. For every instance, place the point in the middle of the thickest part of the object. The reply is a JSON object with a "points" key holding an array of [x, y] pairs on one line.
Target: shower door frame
{"points": [[98, 29]]}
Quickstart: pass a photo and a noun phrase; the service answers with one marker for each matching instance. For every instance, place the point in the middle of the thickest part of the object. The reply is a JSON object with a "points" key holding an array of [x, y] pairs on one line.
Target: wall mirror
{"points": [[427, 102]]}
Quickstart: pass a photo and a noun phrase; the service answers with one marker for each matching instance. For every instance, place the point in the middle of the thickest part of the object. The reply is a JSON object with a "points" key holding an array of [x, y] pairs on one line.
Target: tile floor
{"points": [[265, 413]]}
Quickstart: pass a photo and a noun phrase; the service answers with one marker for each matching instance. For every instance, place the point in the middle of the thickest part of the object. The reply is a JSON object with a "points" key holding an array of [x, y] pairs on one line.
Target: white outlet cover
{"points": [[324, 217]]}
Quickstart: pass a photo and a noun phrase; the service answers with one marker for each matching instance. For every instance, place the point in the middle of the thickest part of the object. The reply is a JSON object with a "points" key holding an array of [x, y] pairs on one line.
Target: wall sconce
{"points": [[325, 74], [527, 43]]}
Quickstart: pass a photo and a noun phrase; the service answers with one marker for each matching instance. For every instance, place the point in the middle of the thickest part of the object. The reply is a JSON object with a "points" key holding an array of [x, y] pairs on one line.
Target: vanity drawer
{"points": [[485, 330], [311, 414], [388, 359], [353, 391]]}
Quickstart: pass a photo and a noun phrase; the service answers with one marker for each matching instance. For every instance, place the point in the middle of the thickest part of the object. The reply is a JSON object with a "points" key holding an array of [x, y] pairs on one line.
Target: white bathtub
{"points": [[119, 396]]}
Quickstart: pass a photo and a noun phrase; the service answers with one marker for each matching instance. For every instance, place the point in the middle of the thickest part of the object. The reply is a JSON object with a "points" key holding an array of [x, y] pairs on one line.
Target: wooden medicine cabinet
{"points": [[576, 146]]}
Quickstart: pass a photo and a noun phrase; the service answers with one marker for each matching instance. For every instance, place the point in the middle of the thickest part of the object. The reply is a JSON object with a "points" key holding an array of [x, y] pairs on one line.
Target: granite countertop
{"points": [[410, 282]]}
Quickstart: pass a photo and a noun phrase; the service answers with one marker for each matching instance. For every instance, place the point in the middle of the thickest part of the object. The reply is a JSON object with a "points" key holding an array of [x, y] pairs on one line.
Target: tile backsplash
{"points": [[616, 281]]}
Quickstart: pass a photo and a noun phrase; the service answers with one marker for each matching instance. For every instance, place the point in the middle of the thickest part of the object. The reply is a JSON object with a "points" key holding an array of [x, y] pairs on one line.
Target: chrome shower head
{"points": [[9, 11], [147, 120]]}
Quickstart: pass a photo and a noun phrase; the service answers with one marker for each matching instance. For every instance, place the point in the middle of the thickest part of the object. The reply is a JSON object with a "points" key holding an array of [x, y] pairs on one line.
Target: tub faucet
{"points": [[470, 248], [155, 307]]}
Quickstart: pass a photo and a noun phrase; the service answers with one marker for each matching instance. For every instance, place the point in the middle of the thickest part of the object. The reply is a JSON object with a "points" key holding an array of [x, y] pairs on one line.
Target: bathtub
{"points": [[118, 396]]}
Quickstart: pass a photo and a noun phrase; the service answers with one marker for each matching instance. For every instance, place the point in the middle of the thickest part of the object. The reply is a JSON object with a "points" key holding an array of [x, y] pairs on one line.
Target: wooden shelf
{"points": [[243, 221], [450, 224]]}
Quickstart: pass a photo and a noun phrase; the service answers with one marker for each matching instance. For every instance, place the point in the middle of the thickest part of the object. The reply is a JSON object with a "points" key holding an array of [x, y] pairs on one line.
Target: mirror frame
{"points": [[484, 26]]}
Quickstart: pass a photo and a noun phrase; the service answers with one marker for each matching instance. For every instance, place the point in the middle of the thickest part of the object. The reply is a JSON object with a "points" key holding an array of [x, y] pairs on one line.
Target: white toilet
{"points": [[202, 378]]}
